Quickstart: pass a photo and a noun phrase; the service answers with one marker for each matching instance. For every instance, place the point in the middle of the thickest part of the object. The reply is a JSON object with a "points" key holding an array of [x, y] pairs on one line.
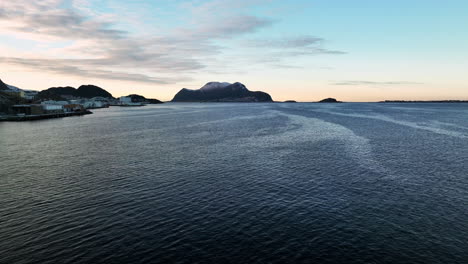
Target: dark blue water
{"points": [[238, 183]]}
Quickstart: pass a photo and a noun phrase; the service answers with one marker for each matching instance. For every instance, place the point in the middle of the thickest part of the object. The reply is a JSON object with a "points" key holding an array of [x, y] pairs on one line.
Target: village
{"points": [[22, 105]]}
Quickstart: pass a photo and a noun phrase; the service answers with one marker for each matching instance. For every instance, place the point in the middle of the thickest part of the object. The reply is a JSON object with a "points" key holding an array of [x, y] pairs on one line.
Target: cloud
{"points": [[77, 40], [293, 46], [291, 42], [221, 7], [372, 83], [67, 68], [309, 52], [39, 19], [234, 25]]}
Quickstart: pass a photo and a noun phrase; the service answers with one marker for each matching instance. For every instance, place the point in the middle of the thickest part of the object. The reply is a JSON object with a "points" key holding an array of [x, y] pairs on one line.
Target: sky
{"points": [[303, 50]]}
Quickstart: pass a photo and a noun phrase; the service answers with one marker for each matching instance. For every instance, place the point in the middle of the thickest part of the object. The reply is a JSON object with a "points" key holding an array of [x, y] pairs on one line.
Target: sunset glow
{"points": [[301, 50]]}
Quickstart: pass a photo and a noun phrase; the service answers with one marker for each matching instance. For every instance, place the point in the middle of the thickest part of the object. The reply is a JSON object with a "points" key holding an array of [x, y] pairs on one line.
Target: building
{"points": [[101, 99], [95, 102], [89, 104], [127, 101], [51, 108], [50, 102], [33, 109], [73, 108]]}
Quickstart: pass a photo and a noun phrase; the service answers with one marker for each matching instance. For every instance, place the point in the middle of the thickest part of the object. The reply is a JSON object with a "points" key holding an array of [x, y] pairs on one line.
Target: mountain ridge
{"points": [[84, 91]]}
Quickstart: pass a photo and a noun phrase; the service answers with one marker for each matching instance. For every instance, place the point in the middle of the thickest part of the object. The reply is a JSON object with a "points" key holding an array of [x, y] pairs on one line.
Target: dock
{"points": [[18, 118]]}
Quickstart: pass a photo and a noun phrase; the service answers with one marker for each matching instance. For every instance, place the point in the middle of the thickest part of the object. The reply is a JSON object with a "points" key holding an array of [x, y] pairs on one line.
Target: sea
{"points": [[238, 183]]}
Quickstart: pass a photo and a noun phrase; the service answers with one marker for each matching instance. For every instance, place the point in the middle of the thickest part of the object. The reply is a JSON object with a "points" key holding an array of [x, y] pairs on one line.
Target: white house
{"points": [[125, 100], [53, 106], [50, 102]]}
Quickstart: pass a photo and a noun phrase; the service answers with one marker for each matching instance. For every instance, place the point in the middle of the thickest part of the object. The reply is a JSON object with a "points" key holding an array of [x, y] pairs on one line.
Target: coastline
{"points": [[16, 118]]}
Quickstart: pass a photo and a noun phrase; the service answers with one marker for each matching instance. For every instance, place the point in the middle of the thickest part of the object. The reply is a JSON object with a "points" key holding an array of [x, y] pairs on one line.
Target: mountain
{"points": [[68, 92], [3, 86], [7, 99], [13, 88], [221, 92], [57, 93], [141, 99], [90, 91], [54, 94]]}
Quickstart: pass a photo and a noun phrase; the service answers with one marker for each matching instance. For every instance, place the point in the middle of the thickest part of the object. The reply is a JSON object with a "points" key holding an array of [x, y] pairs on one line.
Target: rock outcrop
{"points": [[329, 100]]}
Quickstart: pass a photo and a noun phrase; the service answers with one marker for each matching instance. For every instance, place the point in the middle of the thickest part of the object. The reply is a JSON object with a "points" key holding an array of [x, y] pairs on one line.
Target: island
{"points": [[330, 100], [419, 101], [141, 99], [221, 92]]}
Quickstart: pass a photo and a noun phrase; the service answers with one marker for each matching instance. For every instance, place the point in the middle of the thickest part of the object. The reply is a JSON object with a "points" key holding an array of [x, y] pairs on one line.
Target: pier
{"points": [[18, 118]]}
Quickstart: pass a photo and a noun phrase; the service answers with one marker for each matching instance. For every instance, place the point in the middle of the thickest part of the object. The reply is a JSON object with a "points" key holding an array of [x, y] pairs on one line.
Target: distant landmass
{"points": [[434, 101], [330, 100], [68, 92], [136, 98], [221, 92], [10, 95]]}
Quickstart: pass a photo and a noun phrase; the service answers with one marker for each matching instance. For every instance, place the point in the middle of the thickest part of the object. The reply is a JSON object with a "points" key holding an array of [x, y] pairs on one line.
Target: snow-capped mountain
{"points": [[214, 85], [221, 92]]}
